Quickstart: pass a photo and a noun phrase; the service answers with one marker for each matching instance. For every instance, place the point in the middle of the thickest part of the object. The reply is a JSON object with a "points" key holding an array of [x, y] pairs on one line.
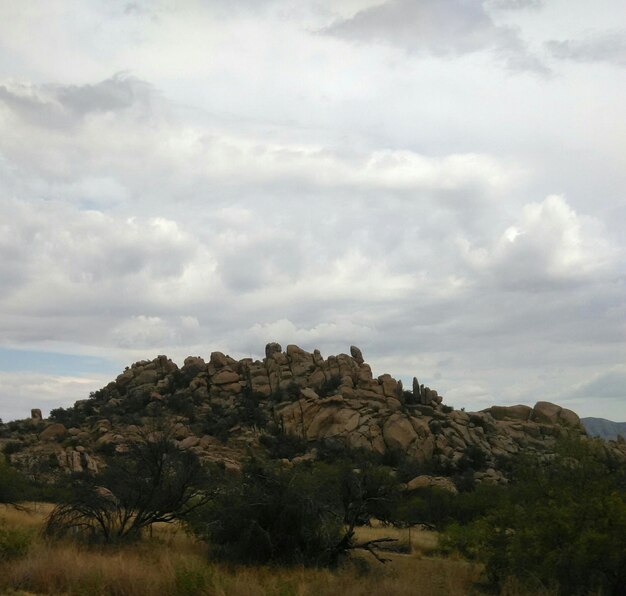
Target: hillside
{"points": [[603, 428], [291, 406]]}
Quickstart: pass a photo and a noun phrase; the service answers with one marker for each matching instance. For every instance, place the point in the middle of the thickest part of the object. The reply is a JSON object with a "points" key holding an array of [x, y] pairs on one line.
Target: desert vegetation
{"points": [[157, 521]]}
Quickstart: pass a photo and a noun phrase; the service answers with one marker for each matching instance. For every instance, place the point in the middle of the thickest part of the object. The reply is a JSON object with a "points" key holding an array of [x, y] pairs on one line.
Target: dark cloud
{"points": [[608, 47], [438, 27]]}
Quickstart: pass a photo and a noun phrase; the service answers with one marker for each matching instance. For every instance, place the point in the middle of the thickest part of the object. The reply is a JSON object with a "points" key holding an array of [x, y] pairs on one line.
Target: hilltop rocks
{"points": [[222, 408], [35, 414]]}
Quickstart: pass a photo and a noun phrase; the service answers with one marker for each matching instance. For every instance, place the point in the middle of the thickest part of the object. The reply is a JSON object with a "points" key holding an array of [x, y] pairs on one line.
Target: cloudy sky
{"points": [[440, 182]]}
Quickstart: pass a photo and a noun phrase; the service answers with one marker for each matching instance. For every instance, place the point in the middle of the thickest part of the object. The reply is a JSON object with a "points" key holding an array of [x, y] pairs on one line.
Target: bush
{"points": [[562, 524], [13, 486], [273, 514], [14, 543], [67, 416], [283, 445], [329, 386]]}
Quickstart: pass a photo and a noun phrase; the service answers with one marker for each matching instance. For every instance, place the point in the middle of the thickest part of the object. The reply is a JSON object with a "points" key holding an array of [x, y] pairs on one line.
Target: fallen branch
{"points": [[372, 545]]}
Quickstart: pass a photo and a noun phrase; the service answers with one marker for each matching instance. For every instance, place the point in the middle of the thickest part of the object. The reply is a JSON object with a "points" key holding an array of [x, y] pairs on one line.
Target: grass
{"points": [[172, 563], [415, 541]]}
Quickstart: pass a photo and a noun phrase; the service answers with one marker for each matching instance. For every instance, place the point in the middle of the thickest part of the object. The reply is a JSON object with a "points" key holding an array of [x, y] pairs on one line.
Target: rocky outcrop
{"points": [[335, 399]]}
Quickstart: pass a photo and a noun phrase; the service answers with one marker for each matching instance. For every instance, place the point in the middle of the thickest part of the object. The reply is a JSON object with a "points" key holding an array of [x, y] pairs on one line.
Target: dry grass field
{"points": [[172, 563]]}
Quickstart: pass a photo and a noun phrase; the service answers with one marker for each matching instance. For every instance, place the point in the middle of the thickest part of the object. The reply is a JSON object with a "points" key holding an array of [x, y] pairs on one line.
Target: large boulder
{"points": [[519, 412], [272, 348], [398, 432], [546, 412], [193, 365], [225, 377], [432, 482], [53, 432]]}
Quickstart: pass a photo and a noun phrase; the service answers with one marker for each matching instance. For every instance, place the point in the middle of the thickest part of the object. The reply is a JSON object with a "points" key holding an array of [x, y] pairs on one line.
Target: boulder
{"points": [[272, 348], [398, 432], [356, 354], [432, 481], [519, 412], [189, 442], [218, 360], [225, 377], [546, 412], [35, 414], [53, 432], [193, 366], [146, 377], [569, 418]]}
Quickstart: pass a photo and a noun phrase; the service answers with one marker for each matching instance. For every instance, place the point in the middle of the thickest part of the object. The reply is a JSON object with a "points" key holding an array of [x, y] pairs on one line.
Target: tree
{"points": [[13, 486], [272, 514], [562, 525], [304, 514], [153, 481]]}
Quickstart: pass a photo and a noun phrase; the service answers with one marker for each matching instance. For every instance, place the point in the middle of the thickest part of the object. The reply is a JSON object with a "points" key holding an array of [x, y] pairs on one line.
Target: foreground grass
{"points": [[172, 563]]}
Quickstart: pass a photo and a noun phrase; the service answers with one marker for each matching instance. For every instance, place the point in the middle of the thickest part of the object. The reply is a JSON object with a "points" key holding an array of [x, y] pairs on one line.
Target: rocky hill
{"points": [[290, 405]]}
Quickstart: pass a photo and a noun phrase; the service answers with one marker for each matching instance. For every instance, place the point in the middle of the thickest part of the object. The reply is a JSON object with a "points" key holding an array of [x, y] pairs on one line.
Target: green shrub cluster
{"points": [[560, 525], [273, 514]]}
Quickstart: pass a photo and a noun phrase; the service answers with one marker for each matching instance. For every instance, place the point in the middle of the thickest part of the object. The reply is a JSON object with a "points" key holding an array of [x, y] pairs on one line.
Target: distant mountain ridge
{"points": [[605, 429]]}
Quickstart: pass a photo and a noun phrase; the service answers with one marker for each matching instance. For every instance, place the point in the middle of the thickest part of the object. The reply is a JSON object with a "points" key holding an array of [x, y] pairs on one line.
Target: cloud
{"points": [[549, 245], [60, 105], [22, 391], [443, 28], [514, 4], [608, 47], [356, 203], [607, 385]]}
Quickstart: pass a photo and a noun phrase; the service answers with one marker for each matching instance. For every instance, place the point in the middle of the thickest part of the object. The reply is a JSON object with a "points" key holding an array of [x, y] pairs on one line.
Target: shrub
{"points": [[283, 445], [273, 514], [562, 524], [13, 486], [14, 543], [329, 386], [13, 447], [66, 416], [153, 481]]}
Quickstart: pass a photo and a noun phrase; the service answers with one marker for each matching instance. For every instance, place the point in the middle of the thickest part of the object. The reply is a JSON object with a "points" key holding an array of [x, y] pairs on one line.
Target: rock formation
{"points": [[218, 405]]}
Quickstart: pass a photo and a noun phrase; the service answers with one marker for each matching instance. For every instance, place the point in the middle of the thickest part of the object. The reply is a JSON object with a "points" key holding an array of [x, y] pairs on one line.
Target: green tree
{"points": [[273, 514], [13, 486], [562, 525]]}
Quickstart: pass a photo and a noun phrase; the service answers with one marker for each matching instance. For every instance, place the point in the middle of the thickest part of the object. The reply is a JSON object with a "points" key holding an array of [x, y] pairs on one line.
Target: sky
{"points": [[439, 182]]}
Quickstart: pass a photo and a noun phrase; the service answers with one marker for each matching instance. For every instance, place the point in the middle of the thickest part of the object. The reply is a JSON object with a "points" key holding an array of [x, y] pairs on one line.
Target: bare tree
{"points": [[154, 480]]}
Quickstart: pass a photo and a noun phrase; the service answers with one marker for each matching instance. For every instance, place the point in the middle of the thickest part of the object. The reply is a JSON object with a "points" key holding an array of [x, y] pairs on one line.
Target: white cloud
{"points": [[20, 392], [549, 244]]}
